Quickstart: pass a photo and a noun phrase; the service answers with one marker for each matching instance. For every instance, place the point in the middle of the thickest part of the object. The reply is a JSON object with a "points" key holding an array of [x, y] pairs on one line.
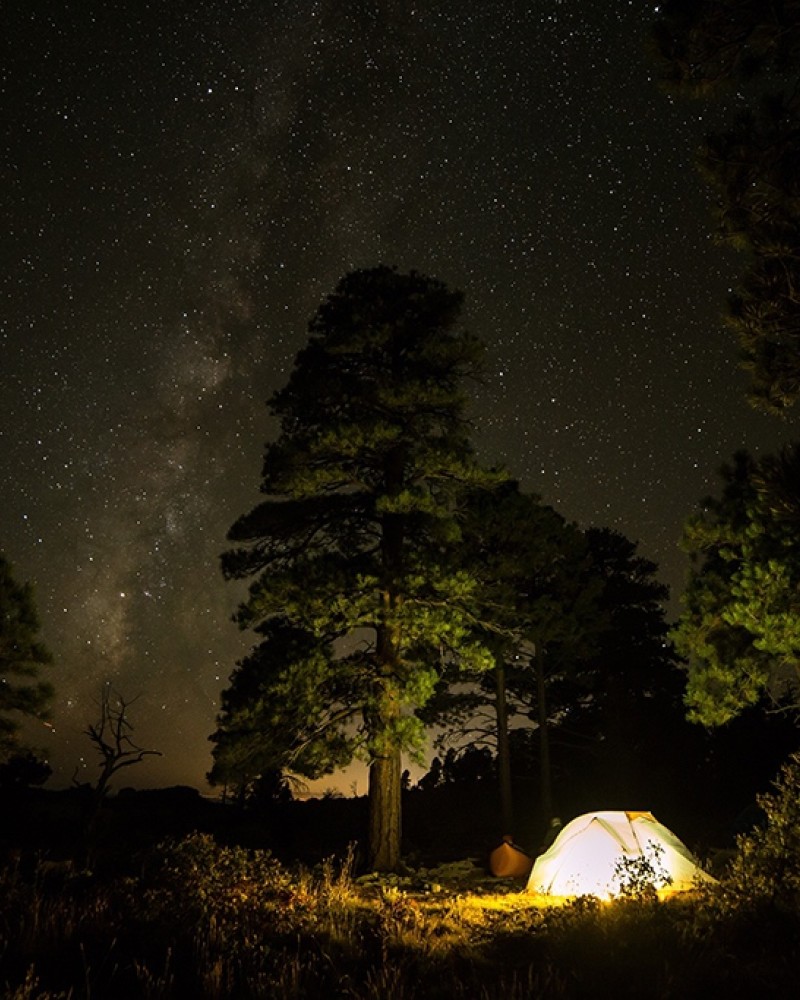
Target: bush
{"points": [[641, 877], [197, 878], [208, 921], [766, 867]]}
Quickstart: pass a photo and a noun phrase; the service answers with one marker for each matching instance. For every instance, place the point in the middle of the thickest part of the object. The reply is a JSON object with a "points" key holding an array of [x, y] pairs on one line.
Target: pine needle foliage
{"points": [[710, 46], [22, 656], [356, 591], [740, 628]]}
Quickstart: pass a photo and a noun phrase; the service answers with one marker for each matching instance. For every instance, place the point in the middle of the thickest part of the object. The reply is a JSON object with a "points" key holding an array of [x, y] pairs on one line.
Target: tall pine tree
{"points": [[22, 655], [355, 589], [536, 593], [752, 165], [740, 628]]}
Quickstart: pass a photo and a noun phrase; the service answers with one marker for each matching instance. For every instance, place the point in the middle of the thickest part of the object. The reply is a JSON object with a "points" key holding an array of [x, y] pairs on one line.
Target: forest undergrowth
{"points": [[208, 921], [196, 918]]}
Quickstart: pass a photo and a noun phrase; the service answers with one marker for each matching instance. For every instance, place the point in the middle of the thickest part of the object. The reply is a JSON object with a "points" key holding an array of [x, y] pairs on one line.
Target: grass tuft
{"points": [[203, 920]]}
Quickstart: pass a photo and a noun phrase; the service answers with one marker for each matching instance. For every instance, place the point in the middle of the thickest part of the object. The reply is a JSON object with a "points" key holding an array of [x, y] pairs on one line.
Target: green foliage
{"points": [[22, 656], [642, 876], [539, 589], [284, 706], [766, 867], [753, 167], [596, 608], [531, 588], [740, 630], [211, 881], [355, 584], [535, 596]]}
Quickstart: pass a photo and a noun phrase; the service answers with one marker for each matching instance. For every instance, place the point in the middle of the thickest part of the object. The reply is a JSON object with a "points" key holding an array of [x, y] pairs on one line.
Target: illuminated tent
{"points": [[598, 853]]}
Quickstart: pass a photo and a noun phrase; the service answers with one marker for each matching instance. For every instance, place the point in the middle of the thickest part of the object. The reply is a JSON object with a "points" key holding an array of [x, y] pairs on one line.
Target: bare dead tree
{"points": [[111, 737]]}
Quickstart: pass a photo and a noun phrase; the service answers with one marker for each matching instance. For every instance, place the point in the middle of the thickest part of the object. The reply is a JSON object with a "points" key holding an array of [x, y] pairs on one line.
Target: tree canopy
{"points": [[536, 594], [740, 630], [356, 592], [753, 165], [630, 663], [709, 43], [621, 700], [22, 656]]}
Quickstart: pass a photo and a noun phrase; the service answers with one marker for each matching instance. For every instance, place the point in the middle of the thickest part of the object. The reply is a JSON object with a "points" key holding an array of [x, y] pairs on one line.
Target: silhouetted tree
{"points": [[468, 766], [23, 770], [111, 738], [754, 167], [706, 44], [433, 776], [355, 592], [621, 699], [272, 788], [536, 593], [22, 657]]}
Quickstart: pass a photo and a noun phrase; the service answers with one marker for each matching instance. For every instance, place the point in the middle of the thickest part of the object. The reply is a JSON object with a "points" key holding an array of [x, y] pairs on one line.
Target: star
{"points": [[181, 196]]}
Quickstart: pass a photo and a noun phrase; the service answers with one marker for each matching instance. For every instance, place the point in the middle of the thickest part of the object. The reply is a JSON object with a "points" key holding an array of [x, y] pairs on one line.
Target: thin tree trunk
{"points": [[384, 812], [545, 775], [503, 755]]}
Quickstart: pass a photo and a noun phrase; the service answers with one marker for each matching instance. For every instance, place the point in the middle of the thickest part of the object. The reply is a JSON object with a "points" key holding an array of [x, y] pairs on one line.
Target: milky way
{"points": [[185, 182]]}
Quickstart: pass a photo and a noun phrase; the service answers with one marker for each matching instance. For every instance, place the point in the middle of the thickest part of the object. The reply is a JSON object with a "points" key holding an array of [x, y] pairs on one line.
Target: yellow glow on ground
{"points": [[511, 902], [508, 902]]}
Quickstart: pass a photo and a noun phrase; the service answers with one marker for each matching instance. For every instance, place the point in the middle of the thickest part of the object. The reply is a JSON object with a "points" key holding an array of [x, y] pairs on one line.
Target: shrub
{"points": [[766, 867], [203, 879], [642, 876]]}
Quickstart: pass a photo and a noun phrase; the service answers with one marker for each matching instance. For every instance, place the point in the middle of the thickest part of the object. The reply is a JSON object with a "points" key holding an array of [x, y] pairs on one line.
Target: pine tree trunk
{"points": [[385, 770], [503, 755], [384, 812], [544, 740]]}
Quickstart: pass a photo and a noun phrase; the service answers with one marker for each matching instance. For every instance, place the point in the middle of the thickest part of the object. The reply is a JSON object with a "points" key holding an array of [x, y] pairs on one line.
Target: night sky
{"points": [[183, 183]]}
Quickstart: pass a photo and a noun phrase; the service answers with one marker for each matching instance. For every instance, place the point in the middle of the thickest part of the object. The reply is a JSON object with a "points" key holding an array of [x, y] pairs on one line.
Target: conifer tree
{"points": [[536, 594], [624, 691], [753, 167], [355, 590], [22, 655], [740, 629], [535, 572]]}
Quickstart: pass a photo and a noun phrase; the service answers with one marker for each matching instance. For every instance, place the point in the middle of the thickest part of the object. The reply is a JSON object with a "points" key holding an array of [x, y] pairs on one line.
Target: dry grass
{"points": [[204, 921]]}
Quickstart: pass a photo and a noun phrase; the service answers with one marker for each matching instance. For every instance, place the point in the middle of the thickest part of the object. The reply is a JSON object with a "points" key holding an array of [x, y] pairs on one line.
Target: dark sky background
{"points": [[185, 182]]}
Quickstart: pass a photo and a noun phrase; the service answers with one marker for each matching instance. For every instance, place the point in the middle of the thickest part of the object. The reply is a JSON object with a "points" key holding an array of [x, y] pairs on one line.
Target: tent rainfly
{"points": [[508, 860], [599, 853]]}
